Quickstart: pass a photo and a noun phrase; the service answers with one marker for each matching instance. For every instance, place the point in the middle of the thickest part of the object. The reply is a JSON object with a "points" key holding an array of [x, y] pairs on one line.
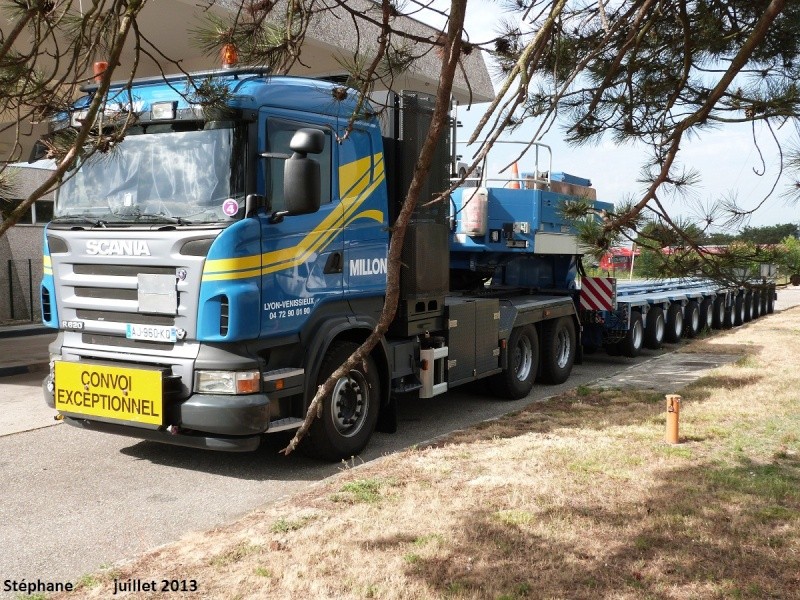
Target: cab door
{"points": [[302, 256], [362, 189]]}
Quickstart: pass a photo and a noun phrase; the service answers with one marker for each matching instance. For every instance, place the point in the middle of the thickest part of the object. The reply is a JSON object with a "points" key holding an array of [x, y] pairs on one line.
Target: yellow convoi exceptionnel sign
{"points": [[113, 392]]}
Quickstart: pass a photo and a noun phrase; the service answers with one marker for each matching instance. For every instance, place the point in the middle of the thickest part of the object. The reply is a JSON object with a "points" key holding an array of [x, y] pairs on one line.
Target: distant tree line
{"points": [[769, 234], [737, 256]]}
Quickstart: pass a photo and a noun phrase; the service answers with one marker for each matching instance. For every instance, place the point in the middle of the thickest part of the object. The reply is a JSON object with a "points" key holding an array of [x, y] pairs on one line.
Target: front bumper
{"points": [[216, 422]]}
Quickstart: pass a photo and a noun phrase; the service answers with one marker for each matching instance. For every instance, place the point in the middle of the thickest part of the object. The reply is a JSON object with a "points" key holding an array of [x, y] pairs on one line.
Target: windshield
{"points": [[159, 174]]}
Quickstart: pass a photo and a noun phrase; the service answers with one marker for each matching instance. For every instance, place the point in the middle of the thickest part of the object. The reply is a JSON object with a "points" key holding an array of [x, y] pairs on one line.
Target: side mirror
{"points": [[301, 175]]}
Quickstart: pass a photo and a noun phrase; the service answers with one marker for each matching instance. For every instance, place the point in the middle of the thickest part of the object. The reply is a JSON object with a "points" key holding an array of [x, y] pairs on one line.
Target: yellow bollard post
{"points": [[673, 414]]}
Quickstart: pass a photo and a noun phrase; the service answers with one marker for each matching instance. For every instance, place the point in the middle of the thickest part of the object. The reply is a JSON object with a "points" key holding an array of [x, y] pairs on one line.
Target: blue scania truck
{"points": [[211, 270]]}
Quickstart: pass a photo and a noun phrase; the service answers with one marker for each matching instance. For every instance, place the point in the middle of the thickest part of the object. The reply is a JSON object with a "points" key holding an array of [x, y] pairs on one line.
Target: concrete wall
{"points": [[21, 273], [21, 256]]}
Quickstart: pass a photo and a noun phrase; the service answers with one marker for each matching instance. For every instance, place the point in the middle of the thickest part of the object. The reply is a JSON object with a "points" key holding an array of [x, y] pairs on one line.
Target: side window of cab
{"points": [[279, 134]]}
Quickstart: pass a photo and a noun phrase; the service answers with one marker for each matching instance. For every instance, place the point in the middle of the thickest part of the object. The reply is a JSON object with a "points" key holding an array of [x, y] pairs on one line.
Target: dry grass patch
{"points": [[577, 497]]}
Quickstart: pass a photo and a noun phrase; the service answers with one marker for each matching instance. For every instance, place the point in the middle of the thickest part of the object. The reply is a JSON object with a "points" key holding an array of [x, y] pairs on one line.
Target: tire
{"points": [[349, 413], [654, 328], [756, 310], [707, 314], [738, 310], [674, 321], [748, 307], [558, 350], [718, 317], [631, 344], [764, 302], [770, 301], [517, 378], [691, 316]]}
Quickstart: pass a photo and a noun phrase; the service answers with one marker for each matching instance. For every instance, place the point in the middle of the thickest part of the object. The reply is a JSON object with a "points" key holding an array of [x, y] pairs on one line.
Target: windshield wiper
{"points": [[94, 222], [161, 217]]}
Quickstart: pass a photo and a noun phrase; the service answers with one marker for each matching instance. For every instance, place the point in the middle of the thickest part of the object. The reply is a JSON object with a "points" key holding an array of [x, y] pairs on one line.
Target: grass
{"points": [[284, 525], [578, 497]]}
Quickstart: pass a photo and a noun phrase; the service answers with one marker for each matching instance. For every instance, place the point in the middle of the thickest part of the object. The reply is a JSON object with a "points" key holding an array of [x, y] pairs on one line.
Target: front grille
{"points": [[113, 340], [121, 270], [106, 293], [108, 316]]}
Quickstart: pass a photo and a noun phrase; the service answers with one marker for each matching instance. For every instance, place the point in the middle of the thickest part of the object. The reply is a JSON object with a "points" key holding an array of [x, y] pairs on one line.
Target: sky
{"points": [[726, 158]]}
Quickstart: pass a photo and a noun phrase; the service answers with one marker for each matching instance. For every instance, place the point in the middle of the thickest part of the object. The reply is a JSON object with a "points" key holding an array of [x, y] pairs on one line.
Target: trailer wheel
{"points": [[738, 310], [517, 378], [763, 309], [748, 307], [674, 328], [654, 329], [631, 344], [558, 350], [349, 413], [756, 310], [718, 320], [707, 313], [691, 315], [770, 301]]}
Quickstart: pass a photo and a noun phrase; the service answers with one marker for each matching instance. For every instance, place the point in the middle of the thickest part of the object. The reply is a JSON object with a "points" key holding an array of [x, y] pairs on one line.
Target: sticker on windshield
{"points": [[230, 207]]}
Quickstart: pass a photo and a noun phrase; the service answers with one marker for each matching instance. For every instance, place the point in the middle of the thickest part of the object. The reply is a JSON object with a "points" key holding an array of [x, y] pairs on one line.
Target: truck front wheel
{"points": [[558, 350], [517, 378], [350, 412]]}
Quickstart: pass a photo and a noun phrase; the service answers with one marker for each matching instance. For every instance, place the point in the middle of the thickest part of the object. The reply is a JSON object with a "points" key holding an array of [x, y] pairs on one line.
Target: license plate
{"points": [[152, 333], [113, 392]]}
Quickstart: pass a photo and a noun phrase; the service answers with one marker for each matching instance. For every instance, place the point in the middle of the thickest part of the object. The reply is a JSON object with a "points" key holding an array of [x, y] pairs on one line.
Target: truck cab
{"points": [[194, 264]]}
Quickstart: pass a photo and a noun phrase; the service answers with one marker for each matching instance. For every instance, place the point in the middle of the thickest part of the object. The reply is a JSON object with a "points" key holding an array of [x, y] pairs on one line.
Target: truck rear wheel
{"points": [[350, 412], [692, 320], [558, 350], [654, 329], [674, 323], [517, 378], [631, 344]]}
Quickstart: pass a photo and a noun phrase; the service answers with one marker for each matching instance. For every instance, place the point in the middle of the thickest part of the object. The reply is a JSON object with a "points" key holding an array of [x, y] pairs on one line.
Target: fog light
{"points": [[227, 382]]}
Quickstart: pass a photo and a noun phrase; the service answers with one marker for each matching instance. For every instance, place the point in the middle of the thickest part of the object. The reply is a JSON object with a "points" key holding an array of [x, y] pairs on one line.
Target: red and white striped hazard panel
{"points": [[598, 293]]}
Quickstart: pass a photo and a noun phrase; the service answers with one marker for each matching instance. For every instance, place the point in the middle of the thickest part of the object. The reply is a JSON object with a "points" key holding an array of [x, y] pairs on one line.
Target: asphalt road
{"points": [[73, 501]]}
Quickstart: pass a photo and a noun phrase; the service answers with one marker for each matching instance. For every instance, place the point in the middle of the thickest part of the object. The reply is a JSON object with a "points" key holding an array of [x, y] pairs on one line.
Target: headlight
{"points": [[227, 382]]}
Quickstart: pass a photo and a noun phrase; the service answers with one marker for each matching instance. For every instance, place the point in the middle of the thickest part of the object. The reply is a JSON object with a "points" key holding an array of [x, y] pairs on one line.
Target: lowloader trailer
{"points": [[207, 274], [626, 316]]}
